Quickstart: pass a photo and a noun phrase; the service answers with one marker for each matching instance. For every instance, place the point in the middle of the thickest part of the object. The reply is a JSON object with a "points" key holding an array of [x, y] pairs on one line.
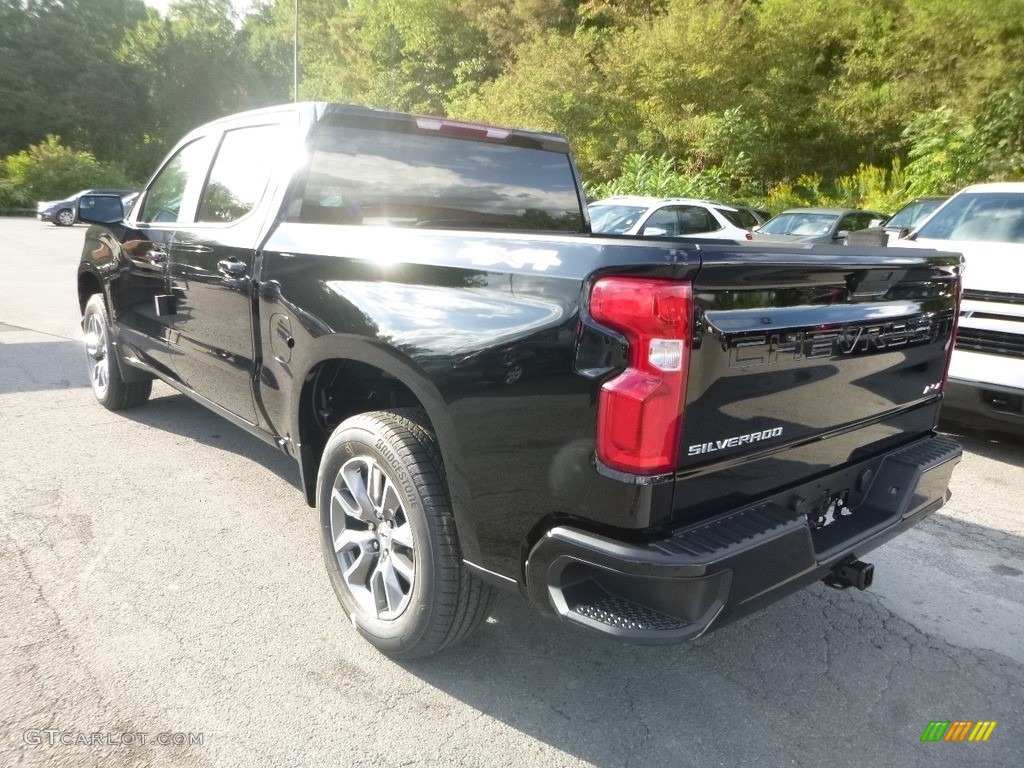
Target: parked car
{"points": [[62, 212], [667, 217], [815, 225], [911, 216], [986, 374], [900, 224]]}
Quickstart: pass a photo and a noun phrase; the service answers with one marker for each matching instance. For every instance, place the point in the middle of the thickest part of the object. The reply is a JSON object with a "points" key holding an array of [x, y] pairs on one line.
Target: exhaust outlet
{"points": [[851, 573]]}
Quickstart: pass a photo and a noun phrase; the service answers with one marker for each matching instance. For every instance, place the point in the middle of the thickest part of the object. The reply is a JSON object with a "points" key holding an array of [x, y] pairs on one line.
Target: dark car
{"points": [[911, 215], [751, 217], [816, 225], [62, 212]]}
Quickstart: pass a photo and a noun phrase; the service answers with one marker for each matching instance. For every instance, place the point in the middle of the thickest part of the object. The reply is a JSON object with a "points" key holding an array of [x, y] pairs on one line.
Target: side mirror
{"points": [[877, 222], [100, 209], [842, 234], [655, 232]]}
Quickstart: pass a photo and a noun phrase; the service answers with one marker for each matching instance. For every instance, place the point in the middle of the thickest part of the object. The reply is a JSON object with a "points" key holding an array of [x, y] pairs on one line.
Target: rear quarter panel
{"points": [[484, 330]]}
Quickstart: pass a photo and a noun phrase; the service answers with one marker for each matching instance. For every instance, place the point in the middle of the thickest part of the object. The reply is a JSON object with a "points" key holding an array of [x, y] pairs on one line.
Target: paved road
{"points": [[160, 574]]}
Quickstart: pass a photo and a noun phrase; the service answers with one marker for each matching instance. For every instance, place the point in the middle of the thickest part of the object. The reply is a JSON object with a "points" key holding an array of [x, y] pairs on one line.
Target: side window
{"points": [[865, 219], [663, 218], [240, 173], [169, 190], [694, 220], [849, 223]]}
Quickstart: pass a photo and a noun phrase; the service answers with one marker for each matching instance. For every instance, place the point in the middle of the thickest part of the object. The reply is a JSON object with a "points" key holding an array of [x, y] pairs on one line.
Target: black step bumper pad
{"points": [[704, 575]]}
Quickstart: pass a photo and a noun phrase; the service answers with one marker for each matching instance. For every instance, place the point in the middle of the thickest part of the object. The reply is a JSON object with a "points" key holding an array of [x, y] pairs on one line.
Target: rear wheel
{"points": [[389, 539], [110, 388]]}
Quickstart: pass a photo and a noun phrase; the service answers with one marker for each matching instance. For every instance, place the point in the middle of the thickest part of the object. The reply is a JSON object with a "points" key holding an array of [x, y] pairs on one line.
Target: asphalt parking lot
{"points": [[163, 600]]}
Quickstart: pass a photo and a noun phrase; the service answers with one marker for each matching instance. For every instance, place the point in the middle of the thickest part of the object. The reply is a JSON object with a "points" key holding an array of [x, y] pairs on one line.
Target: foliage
{"points": [[51, 171], [874, 188], [196, 66], [1001, 131], [643, 174], [774, 102], [533, 94], [946, 153], [59, 74], [13, 197]]}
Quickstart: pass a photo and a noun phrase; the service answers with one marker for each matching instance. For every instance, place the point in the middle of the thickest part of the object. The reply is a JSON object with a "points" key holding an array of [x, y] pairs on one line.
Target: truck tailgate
{"points": [[809, 358]]}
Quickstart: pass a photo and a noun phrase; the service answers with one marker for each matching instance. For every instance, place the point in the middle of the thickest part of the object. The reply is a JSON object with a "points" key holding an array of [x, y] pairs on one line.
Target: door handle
{"points": [[232, 267]]}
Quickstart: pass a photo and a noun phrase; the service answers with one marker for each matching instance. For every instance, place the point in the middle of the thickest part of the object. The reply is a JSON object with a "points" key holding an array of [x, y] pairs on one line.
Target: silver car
{"points": [[816, 225]]}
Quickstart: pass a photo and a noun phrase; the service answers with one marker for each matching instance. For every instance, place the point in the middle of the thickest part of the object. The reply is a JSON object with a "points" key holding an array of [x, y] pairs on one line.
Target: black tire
{"points": [[65, 217], [433, 601], [110, 388]]}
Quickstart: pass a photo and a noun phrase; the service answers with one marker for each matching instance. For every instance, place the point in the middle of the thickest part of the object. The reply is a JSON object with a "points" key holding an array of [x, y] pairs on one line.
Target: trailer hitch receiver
{"points": [[851, 573]]}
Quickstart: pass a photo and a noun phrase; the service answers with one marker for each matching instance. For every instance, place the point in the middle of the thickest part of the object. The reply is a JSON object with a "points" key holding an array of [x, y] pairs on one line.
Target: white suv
{"points": [[985, 222], [667, 217]]}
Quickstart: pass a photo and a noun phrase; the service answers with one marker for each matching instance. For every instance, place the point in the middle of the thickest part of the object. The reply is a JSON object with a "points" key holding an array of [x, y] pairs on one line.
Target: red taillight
{"points": [[640, 411]]}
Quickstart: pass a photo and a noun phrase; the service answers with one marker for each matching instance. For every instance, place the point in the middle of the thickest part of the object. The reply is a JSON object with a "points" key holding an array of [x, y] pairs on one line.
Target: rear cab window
{"points": [[391, 173]]}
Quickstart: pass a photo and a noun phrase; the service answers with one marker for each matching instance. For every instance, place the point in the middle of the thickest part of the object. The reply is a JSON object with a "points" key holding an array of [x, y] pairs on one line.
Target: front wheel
{"points": [[64, 218], [389, 539], [110, 388]]}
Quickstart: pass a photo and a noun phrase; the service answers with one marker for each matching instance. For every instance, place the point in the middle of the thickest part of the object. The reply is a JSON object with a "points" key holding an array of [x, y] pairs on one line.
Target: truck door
{"points": [[212, 259], [140, 291]]}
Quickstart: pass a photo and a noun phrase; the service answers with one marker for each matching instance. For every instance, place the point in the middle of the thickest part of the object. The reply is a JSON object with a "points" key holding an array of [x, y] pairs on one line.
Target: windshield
{"points": [[614, 219], [995, 217], [910, 214], [805, 224]]}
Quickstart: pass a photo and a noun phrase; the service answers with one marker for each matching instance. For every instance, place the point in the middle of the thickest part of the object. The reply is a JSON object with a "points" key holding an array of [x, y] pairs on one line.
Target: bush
{"points": [[51, 171], [12, 198], [643, 174]]}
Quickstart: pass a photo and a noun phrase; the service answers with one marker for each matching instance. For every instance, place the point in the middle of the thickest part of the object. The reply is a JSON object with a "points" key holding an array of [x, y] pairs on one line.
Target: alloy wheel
{"points": [[373, 538], [96, 354]]}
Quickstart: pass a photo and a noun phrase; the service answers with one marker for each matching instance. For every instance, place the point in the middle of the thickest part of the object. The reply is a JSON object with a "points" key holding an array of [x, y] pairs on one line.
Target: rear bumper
{"points": [[704, 575]]}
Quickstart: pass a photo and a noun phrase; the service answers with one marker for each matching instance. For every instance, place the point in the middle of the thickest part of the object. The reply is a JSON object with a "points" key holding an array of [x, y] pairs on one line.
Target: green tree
{"points": [[946, 153], [59, 74], [405, 55], [535, 92], [198, 66]]}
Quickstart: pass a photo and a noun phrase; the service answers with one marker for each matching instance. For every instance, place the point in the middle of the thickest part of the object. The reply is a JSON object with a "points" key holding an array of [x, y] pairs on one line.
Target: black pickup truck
{"points": [[646, 436]]}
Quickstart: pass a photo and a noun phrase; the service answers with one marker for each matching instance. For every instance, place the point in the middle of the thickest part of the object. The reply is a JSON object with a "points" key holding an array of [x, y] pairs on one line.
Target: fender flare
{"points": [[405, 370]]}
